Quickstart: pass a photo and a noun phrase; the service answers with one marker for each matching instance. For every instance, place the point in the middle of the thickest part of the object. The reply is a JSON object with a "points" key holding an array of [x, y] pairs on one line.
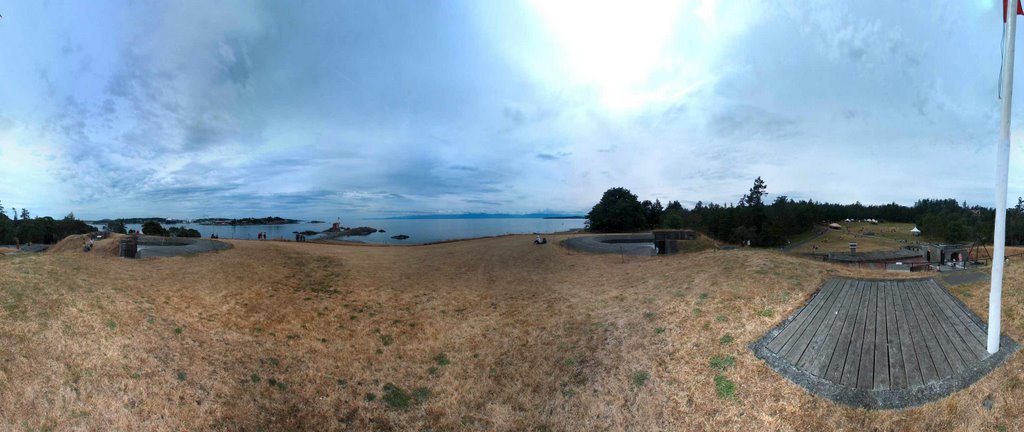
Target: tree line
{"points": [[752, 219], [21, 227]]}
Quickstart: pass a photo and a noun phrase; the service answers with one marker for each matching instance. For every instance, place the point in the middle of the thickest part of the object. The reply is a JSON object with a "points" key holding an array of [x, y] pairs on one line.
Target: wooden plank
{"points": [[881, 376], [964, 315], [930, 343], [865, 378], [853, 356], [817, 349], [818, 366], [951, 325], [916, 343], [910, 361], [798, 342], [834, 371], [956, 363], [897, 369], [776, 344], [967, 328], [814, 326]]}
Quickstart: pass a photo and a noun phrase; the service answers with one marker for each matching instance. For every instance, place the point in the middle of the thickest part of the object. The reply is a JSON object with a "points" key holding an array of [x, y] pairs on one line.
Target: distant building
{"points": [[947, 253]]}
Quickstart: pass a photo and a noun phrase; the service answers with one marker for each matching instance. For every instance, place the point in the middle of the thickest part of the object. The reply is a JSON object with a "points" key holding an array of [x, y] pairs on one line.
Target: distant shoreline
{"points": [[437, 242], [482, 216]]}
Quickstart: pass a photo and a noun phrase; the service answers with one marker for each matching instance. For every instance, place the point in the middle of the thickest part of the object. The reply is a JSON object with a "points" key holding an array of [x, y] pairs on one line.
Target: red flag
{"points": [[1020, 9]]}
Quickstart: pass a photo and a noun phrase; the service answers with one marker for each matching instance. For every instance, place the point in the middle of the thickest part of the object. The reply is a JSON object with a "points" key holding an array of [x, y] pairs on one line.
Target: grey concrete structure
{"points": [[624, 244], [153, 246], [943, 253]]}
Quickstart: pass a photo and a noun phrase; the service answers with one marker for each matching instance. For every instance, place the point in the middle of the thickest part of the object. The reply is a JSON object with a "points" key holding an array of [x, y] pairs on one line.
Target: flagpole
{"points": [[995, 296]]}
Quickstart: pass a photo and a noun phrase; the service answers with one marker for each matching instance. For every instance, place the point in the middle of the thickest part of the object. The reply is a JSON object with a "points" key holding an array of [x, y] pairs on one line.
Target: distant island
{"points": [[487, 216], [270, 220], [138, 220], [332, 232]]}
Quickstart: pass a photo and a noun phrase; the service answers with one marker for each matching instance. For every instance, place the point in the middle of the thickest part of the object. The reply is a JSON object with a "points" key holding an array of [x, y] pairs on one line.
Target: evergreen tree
{"points": [[756, 195]]}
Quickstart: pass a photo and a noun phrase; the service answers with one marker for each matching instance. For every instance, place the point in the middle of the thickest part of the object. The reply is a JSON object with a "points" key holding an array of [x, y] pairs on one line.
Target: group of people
{"points": [[261, 236], [214, 236], [300, 237], [540, 240]]}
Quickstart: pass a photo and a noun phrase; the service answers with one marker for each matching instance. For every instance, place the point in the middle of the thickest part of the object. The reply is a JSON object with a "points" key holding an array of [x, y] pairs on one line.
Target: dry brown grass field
{"points": [[492, 334]]}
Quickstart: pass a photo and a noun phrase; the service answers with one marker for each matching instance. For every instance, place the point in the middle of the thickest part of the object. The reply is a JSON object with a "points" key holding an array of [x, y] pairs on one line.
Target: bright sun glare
{"points": [[614, 47]]}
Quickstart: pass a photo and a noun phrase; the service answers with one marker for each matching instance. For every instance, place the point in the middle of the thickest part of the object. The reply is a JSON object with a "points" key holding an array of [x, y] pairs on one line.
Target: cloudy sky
{"points": [[378, 108]]}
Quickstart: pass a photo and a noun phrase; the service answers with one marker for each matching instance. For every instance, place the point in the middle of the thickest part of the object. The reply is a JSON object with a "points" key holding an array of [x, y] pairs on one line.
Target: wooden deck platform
{"points": [[881, 344]]}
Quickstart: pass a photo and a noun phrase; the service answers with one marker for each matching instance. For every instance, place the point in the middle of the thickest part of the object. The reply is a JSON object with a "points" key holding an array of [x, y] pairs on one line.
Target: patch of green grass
{"points": [[274, 361], [659, 330], [650, 315], [721, 318], [766, 312], [343, 383], [395, 397], [292, 337], [722, 361], [182, 375], [178, 330], [725, 388], [111, 324], [697, 312], [432, 370], [441, 359], [421, 394], [640, 378], [387, 340], [151, 320], [275, 383], [370, 397], [703, 297], [255, 379], [724, 340]]}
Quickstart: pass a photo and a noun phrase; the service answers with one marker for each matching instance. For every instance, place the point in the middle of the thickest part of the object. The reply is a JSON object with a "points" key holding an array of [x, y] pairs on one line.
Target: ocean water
{"points": [[419, 230]]}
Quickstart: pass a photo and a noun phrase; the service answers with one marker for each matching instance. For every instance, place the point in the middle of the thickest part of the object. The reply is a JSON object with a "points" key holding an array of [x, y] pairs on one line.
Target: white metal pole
{"points": [[995, 296]]}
